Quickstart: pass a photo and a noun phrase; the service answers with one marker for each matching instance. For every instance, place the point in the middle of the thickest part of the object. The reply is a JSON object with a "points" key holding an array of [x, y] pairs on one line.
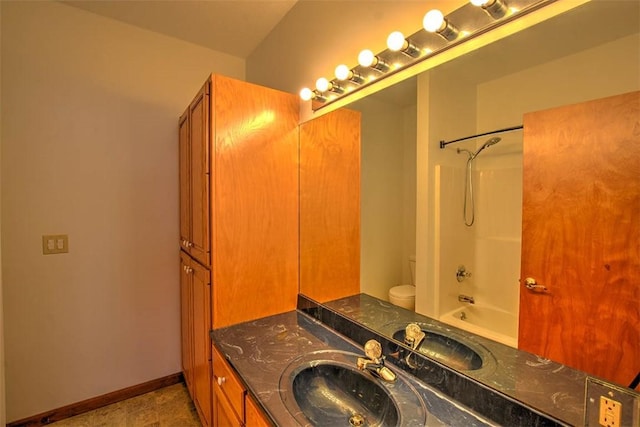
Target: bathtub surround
{"points": [[513, 387]]}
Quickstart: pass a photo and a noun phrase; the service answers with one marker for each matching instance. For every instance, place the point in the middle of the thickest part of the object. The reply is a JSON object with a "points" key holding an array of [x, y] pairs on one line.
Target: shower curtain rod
{"points": [[445, 143]]}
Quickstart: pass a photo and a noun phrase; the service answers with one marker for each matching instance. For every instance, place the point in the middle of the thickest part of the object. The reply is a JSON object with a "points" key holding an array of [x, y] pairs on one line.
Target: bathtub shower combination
{"points": [[479, 224]]}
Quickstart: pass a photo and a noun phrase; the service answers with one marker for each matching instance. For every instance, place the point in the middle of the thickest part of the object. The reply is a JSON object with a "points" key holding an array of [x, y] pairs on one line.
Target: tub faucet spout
{"points": [[465, 298]]}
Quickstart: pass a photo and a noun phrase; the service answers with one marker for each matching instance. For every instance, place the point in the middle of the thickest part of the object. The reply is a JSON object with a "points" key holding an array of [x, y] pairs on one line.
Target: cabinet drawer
{"points": [[228, 383]]}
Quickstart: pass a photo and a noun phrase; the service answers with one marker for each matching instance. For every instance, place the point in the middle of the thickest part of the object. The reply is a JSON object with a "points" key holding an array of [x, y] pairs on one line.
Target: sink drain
{"points": [[356, 420]]}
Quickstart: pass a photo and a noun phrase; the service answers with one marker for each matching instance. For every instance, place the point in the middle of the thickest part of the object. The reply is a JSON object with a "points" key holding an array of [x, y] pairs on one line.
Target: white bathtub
{"points": [[486, 321]]}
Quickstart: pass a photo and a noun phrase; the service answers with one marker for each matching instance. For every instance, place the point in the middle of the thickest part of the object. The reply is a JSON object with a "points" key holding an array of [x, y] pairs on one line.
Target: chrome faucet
{"points": [[374, 362], [413, 335], [465, 298]]}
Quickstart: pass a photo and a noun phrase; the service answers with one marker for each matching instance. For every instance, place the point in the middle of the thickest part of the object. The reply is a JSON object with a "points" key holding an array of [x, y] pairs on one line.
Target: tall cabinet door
{"points": [[199, 245], [185, 180], [581, 234], [202, 372], [186, 316]]}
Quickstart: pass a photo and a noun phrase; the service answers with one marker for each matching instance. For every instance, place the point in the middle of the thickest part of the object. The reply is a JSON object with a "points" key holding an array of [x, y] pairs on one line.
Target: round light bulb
{"points": [[342, 72], [306, 94], [479, 2], [433, 20], [395, 41], [366, 58], [322, 84]]}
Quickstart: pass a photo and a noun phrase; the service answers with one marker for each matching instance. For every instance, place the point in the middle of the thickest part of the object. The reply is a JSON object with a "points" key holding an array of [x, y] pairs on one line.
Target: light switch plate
{"points": [[55, 244]]}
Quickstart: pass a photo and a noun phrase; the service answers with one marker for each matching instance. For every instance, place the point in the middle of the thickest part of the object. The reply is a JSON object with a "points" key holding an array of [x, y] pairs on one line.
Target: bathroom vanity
{"points": [[270, 353], [460, 378]]}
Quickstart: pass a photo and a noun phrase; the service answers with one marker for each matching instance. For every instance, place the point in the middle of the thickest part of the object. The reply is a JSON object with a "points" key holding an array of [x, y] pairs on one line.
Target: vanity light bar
{"points": [[437, 34], [495, 8]]}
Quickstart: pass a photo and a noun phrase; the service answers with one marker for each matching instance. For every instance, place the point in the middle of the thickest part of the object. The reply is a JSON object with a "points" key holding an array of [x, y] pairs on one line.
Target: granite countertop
{"points": [[261, 351], [549, 387]]}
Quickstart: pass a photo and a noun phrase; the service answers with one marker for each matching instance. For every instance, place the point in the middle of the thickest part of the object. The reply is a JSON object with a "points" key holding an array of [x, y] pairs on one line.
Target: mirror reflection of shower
{"points": [[469, 214]]}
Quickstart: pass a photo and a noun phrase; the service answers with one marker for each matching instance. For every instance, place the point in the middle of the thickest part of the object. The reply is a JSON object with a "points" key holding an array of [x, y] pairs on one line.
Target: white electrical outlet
{"points": [[609, 412]]}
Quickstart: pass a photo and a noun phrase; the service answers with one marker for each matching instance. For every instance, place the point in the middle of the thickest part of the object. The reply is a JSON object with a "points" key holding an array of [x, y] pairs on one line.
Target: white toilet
{"points": [[405, 295]]}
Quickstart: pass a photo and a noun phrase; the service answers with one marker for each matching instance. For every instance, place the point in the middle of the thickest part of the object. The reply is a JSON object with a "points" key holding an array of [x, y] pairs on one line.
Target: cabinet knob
{"points": [[188, 270], [189, 244], [221, 380]]}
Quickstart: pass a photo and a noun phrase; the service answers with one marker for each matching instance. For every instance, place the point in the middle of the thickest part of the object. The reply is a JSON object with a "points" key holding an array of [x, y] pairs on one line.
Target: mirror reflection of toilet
{"points": [[405, 295]]}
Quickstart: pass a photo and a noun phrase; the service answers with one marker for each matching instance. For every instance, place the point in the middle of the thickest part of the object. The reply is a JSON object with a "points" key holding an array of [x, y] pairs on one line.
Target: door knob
{"points": [[530, 283]]}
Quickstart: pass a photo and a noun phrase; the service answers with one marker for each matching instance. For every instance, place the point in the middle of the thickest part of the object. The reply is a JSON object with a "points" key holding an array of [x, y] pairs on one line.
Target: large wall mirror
{"points": [[415, 198]]}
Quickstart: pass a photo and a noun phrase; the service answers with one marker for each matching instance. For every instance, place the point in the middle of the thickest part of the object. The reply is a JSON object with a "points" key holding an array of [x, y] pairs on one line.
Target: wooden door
{"points": [[199, 246], [186, 316], [330, 206], [202, 372], [581, 236], [185, 180]]}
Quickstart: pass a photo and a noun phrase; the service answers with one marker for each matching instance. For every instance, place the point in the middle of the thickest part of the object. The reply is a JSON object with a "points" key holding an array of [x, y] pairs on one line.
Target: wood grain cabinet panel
{"points": [[330, 206], [186, 316], [194, 171], [255, 201], [238, 174], [254, 417], [195, 285], [202, 369]]}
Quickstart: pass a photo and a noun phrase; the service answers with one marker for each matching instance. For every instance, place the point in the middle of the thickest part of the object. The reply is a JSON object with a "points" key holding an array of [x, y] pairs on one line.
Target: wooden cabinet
{"points": [[195, 285], [254, 417], [194, 172], [330, 206], [238, 174], [255, 201], [233, 405], [186, 319]]}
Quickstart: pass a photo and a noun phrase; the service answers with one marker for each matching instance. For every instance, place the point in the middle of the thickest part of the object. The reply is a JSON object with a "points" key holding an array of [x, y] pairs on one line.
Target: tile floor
{"points": [[168, 407]]}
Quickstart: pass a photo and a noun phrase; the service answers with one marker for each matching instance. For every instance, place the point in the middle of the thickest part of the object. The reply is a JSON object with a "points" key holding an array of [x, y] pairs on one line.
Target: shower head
{"points": [[489, 143]]}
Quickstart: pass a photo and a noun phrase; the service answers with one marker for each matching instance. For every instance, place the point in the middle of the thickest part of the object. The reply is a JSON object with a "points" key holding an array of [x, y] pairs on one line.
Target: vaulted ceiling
{"points": [[235, 27]]}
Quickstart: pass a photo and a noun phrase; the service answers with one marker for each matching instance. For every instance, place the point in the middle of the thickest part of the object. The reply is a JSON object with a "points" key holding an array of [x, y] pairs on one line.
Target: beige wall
{"points": [[89, 148], [387, 215]]}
